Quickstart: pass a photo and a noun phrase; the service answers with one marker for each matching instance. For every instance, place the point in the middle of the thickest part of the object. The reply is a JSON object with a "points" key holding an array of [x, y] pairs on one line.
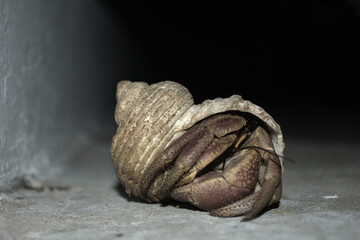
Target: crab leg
{"points": [[215, 127], [186, 159], [166, 157], [152, 173], [214, 150], [271, 187], [237, 208]]}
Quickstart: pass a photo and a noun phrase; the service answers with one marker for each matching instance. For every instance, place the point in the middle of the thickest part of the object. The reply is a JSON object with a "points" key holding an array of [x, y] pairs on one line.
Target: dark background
{"points": [[299, 60]]}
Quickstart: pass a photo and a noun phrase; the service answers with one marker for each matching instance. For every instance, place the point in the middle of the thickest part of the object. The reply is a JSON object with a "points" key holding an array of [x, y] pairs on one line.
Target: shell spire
{"points": [[146, 116]]}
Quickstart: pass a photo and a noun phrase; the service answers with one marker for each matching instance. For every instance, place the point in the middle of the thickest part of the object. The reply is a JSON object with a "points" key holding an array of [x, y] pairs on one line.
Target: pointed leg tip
{"points": [[248, 217]]}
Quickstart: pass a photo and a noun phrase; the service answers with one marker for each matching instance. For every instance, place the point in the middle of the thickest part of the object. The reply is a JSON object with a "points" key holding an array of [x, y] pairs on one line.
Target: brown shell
{"points": [[150, 117]]}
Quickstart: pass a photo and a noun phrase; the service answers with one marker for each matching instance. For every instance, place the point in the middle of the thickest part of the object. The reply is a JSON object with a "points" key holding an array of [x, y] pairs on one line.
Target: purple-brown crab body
{"points": [[221, 156]]}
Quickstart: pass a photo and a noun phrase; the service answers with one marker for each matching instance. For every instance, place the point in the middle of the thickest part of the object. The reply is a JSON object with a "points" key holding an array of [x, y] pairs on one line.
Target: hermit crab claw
{"points": [[221, 156], [264, 169]]}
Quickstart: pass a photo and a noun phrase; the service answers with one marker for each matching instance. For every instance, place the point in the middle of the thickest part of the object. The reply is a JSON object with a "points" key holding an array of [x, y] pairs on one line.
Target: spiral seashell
{"points": [[151, 117]]}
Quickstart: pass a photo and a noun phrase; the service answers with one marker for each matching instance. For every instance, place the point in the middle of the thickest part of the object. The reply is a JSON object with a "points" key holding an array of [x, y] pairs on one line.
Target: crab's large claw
{"points": [[269, 180], [220, 188]]}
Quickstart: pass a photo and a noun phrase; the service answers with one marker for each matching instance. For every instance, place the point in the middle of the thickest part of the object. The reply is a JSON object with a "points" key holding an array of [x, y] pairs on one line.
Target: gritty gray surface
{"points": [[320, 201], [51, 60]]}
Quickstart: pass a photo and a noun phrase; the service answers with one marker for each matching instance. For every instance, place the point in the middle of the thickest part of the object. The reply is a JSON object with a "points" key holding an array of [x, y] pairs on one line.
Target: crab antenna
{"points": [[269, 151]]}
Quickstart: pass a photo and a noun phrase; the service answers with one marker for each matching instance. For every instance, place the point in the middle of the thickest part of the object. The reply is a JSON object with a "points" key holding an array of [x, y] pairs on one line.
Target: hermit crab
{"points": [[223, 155]]}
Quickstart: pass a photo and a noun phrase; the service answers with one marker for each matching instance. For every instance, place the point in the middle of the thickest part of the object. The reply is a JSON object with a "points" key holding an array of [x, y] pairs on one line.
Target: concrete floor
{"points": [[320, 201]]}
